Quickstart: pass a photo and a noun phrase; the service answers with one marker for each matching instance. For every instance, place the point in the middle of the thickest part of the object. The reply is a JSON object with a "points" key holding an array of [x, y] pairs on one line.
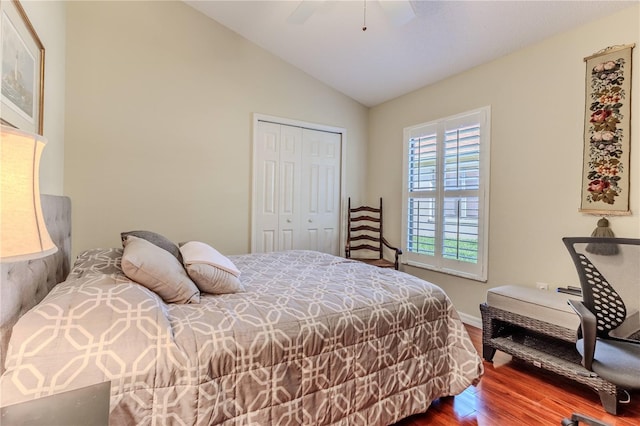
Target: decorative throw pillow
{"points": [[158, 270], [157, 239], [211, 271]]}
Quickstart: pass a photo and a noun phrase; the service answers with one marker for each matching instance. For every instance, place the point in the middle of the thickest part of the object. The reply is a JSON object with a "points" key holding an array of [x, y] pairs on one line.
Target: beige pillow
{"points": [[211, 271], [158, 270]]}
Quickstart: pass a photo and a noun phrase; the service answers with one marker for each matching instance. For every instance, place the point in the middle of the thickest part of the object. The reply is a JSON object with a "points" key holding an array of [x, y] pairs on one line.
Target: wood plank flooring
{"points": [[514, 393]]}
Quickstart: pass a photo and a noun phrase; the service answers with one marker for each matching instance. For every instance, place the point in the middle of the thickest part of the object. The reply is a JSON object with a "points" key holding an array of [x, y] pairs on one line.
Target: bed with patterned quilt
{"points": [[307, 339]]}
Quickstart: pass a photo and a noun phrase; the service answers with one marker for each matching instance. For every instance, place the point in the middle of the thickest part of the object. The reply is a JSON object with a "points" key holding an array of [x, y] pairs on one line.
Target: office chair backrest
{"points": [[598, 294]]}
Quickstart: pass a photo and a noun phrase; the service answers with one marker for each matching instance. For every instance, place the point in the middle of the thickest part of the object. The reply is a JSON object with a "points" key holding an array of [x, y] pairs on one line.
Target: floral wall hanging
{"points": [[605, 175]]}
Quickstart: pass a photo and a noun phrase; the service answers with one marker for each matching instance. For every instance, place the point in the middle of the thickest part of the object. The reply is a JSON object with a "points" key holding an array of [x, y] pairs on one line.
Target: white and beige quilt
{"points": [[314, 340]]}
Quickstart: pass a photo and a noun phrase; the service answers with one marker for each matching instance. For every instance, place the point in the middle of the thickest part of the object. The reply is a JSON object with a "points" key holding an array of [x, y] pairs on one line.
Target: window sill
{"points": [[461, 274]]}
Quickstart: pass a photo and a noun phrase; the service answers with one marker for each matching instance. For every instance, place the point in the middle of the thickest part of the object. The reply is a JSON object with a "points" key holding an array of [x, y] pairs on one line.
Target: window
{"points": [[445, 197]]}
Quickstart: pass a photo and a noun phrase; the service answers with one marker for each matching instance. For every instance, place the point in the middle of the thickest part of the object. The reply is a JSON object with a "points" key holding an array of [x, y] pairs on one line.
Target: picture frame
{"points": [[607, 129], [21, 70]]}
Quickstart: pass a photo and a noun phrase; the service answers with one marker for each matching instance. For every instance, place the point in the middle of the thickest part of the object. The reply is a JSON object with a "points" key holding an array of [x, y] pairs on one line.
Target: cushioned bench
{"points": [[514, 311], [538, 327], [547, 306]]}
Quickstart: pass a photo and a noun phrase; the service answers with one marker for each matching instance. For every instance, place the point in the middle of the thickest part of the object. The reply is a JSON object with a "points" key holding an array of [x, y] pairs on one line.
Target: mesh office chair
{"points": [[609, 332]]}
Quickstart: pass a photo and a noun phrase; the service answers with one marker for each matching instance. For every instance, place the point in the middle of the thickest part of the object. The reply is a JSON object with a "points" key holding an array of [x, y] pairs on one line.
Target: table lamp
{"points": [[23, 232]]}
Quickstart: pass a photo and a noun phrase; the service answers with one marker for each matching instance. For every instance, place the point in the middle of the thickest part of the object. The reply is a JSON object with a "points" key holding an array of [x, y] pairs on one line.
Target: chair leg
{"points": [[577, 418], [609, 402]]}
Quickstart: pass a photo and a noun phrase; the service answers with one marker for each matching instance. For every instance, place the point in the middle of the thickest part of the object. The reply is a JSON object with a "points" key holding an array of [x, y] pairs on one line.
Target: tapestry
{"points": [[605, 176]]}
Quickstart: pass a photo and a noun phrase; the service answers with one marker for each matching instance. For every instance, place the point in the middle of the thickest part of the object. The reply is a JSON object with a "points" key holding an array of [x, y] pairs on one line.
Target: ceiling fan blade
{"points": [[399, 12], [305, 9]]}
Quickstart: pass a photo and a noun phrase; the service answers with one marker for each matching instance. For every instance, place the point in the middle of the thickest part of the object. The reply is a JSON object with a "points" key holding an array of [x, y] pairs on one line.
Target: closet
{"points": [[296, 188]]}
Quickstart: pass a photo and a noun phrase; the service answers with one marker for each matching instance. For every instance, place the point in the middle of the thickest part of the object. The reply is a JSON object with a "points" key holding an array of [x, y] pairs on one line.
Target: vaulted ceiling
{"points": [[402, 49]]}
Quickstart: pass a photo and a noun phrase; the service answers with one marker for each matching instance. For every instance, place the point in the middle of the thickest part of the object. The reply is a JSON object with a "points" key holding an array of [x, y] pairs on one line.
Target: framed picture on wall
{"points": [[22, 71]]}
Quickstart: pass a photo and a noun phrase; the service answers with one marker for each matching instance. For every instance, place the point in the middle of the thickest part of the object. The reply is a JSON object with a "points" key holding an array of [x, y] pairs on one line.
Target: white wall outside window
{"points": [[445, 194]]}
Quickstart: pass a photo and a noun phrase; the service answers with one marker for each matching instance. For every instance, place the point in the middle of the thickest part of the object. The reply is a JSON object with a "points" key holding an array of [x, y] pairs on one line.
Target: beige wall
{"points": [[159, 113], [159, 101], [48, 19], [537, 100]]}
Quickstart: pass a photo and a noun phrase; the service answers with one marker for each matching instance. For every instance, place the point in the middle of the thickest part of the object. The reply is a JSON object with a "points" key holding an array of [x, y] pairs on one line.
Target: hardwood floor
{"points": [[514, 393]]}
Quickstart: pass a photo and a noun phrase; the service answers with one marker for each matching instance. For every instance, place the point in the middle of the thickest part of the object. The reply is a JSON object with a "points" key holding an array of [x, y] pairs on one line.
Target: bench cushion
{"points": [[547, 306]]}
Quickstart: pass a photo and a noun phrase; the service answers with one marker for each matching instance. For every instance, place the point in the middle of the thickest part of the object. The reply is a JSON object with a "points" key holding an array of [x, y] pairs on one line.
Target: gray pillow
{"points": [[157, 270], [157, 239]]}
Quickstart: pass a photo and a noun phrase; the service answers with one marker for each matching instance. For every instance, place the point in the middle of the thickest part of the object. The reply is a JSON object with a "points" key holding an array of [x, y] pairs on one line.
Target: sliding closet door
{"points": [[296, 200], [288, 193], [278, 162], [321, 191]]}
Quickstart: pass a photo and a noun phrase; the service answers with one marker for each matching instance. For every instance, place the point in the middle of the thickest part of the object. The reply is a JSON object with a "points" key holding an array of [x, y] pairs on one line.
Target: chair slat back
{"points": [[365, 223]]}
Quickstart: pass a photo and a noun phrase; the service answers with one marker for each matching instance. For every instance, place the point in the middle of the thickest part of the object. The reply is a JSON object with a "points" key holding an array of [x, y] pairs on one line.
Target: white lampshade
{"points": [[23, 233]]}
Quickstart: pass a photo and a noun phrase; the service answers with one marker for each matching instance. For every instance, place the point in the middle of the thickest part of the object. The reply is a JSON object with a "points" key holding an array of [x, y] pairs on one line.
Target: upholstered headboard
{"points": [[24, 284]]}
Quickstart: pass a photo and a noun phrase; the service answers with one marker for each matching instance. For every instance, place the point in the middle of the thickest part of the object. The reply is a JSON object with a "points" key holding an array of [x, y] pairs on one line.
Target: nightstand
{"points": [[82, 407]]}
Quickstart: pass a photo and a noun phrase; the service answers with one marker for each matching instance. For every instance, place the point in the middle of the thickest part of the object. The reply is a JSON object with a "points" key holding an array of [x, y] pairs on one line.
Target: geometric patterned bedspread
{"points": [[314, 340]]}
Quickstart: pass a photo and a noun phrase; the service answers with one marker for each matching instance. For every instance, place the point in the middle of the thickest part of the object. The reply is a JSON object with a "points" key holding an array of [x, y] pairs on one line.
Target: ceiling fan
{"points": [[399, 12]]}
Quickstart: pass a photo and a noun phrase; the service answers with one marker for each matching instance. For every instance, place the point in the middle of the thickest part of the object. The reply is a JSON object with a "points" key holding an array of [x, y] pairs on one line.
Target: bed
{"points": [[313, 339]]}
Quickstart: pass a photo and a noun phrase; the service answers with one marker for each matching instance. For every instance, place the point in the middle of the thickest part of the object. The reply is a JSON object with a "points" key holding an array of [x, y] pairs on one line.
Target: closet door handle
{"points": [[310, 220], [288, 220]]}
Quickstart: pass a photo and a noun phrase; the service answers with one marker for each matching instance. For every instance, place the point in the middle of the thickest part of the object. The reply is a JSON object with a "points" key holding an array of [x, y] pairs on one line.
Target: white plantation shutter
{"points": [[446, 172], [422, 185]]}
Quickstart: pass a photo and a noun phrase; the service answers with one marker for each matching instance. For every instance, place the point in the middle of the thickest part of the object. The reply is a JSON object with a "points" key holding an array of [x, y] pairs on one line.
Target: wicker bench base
{"points": [[543, 345]]}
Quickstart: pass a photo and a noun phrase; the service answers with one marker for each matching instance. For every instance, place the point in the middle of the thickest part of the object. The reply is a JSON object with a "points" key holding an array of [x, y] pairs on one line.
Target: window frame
{"points": [[437, 262]]}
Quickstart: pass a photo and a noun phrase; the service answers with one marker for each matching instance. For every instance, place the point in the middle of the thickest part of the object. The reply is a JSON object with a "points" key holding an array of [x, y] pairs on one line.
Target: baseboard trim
{"points": [[470, 320]]}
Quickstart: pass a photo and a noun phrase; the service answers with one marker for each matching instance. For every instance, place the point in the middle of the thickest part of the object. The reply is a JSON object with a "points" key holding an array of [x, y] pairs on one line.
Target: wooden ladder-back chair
{"points": [[364, 234]]}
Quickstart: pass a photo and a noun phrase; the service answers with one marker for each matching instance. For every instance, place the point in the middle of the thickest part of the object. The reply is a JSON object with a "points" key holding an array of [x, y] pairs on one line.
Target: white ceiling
{"points": [[388, 60]]}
